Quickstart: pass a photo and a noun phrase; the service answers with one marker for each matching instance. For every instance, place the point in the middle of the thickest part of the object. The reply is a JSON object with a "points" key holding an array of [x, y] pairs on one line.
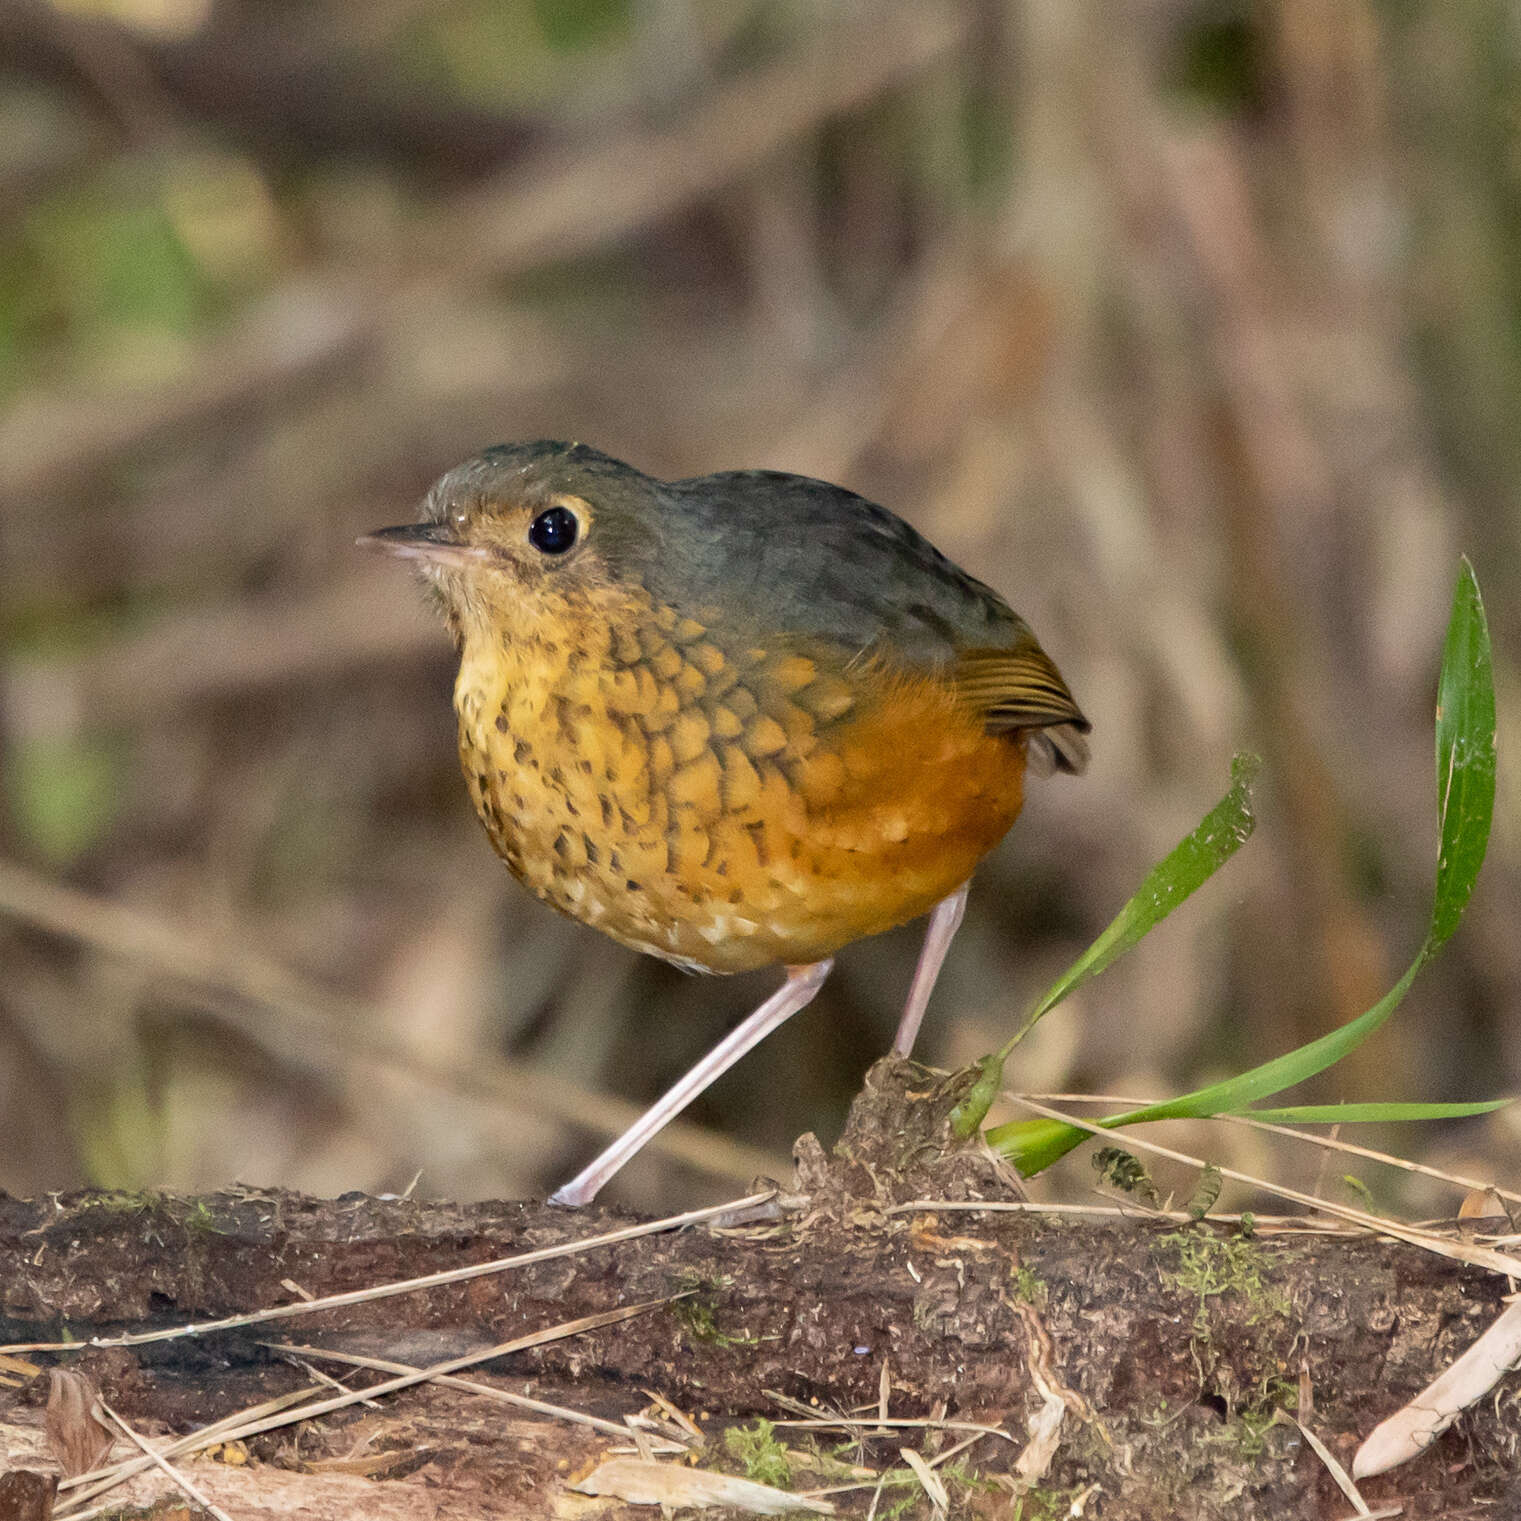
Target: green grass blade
{"points": [[1191, 863], [1033, 1145], [1465, 755], [1371, 1114], [1233, 1094]]}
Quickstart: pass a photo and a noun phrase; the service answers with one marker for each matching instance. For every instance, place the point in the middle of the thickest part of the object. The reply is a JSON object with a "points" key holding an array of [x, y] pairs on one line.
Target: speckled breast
{"points": [[723, 803]]}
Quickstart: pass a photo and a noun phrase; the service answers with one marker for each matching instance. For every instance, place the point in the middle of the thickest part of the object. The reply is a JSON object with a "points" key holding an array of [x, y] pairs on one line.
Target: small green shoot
{"points": [[1190, 864], [1465, 765], [1031, 1287], [756, 1449], [1361, 1192]]}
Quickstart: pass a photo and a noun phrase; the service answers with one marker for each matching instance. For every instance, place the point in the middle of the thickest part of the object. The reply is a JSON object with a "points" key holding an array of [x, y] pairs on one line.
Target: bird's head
{"points": [[523, 535]]}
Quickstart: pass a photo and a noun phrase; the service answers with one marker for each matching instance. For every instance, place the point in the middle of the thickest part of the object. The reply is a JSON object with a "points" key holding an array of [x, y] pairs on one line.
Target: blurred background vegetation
{"points": [[1193, 327]]}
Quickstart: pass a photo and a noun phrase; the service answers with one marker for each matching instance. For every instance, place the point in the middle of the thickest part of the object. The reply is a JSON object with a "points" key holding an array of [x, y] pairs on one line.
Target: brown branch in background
{"points": [[281, 87], [197, 655], [301, 332], [331, 1032], [48, 40], [587, 199], [1279, 504], [1037, 362], [567, 206]]}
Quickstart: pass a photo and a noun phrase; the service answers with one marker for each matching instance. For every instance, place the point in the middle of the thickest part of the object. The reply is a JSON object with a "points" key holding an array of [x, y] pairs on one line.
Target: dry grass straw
{"points": [[1295, 1133], [1428, 1240], [289, 1409], [469, 1386], [865, 1426], [255, 1423], [1034, 1458], [158, 1460], [90, 1485], [1129, 1210], [1328, 1458], [1411, 1429]]}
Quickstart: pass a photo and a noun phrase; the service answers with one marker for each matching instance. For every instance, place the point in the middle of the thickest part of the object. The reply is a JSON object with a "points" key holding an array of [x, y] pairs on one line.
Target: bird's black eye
{"points": [[553, 531]]}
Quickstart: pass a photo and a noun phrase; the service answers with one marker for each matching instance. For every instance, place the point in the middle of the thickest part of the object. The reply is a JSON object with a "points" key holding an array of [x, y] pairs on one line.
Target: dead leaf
{"points": [[79, 1439], [1413, 1428], [1483, 1204], [939, 1500], [637, 1482]]}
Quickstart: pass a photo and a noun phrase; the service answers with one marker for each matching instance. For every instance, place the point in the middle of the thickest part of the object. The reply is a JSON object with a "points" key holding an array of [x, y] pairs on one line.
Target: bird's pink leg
{"points": [[802, 983], [944, 923]]}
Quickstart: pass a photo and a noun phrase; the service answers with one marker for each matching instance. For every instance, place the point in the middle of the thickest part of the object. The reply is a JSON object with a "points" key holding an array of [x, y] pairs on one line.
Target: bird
{"points": [[734, 721]]}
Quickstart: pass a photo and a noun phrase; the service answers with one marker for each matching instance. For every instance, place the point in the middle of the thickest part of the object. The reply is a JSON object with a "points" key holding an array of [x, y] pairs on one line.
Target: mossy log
{"points": [[1160, 1353]]}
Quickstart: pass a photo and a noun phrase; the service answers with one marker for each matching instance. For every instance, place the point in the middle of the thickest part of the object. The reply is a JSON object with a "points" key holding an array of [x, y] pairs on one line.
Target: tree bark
{"points": [[1166, 1349]]}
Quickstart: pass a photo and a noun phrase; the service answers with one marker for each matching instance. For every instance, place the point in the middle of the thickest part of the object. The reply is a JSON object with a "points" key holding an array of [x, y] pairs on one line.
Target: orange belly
{"points": [[765, 813], [869, 830]]}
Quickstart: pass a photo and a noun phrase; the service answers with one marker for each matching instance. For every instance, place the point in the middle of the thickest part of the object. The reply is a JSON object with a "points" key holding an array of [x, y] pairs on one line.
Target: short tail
{"points": [[1059, 747]]}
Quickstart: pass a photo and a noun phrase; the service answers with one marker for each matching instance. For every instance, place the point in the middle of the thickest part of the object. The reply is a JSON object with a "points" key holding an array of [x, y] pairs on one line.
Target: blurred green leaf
{"points": [[1361, 1192], [1221, 58], [118, 1128], [113, 257], [515, 54], [144, 274], [63, 792], [1465, 732], [571, 24]]}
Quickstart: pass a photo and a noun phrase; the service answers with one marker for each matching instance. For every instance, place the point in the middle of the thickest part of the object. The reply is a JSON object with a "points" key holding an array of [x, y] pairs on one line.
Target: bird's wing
{"points": [[844, 571], [1020, 690]]}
